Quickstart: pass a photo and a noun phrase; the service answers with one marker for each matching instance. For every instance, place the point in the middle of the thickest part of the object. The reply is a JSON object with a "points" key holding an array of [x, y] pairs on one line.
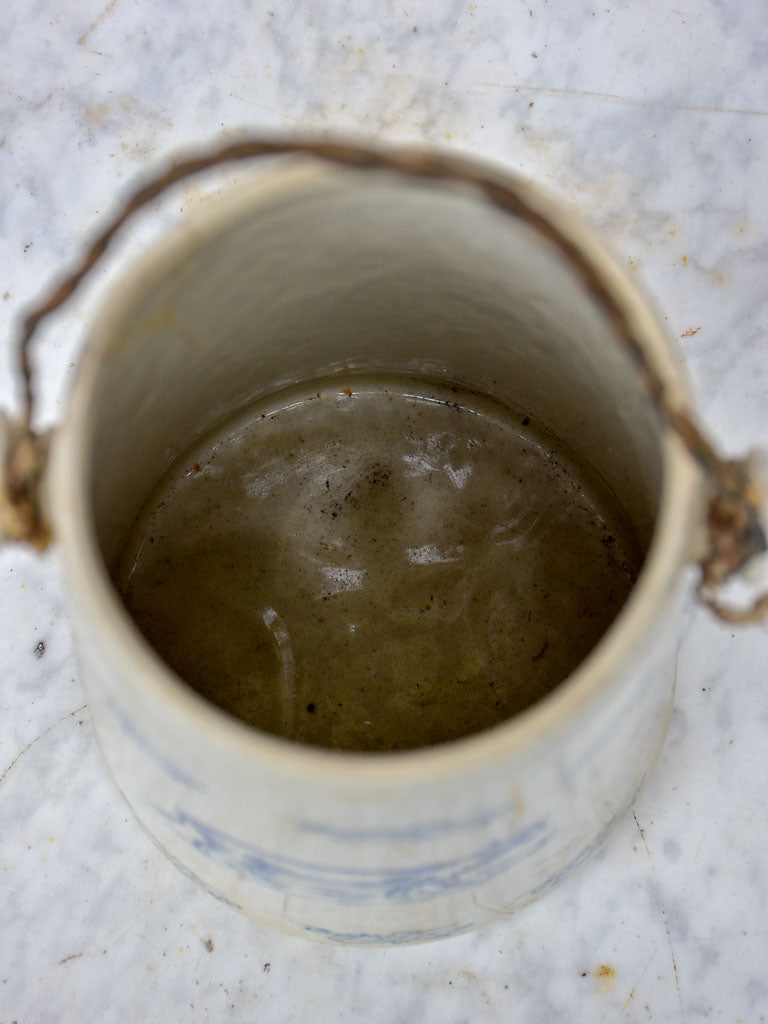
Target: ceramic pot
{"points": [[315, 271]]}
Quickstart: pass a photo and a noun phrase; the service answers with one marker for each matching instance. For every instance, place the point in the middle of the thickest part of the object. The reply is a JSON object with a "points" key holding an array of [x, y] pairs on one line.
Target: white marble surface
{"points": [[653, 122]]}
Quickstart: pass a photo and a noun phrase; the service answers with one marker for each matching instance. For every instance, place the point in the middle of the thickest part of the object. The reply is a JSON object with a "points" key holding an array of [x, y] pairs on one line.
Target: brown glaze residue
{"points": [[392, 566]]}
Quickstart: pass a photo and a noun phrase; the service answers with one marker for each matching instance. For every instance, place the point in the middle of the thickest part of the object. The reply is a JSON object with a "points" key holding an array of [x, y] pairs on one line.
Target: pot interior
{"points": [[368, 467]]}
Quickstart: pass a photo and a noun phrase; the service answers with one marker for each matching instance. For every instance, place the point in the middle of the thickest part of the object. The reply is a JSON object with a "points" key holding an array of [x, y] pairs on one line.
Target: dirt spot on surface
{"points": [[72, 956], [208, 943], [606, 975], [690, 332]]}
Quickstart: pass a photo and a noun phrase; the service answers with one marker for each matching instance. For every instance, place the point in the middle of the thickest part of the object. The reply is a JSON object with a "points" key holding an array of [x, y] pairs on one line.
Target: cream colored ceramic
{"points": [[317, 273]]}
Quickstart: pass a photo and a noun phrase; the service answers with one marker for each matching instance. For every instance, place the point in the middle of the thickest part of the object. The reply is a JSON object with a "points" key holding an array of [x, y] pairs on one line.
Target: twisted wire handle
{"points": [[734, 530]]}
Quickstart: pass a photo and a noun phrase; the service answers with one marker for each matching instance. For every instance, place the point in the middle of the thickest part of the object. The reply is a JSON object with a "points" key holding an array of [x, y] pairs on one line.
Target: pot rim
{"points": [[97, 604]]}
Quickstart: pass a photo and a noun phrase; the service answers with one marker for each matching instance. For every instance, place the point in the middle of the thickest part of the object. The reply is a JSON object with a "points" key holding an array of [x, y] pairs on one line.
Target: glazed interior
{"points": [[355, 277]]}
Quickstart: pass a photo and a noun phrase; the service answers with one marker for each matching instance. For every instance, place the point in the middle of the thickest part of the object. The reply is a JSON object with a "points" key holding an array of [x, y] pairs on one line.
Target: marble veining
{"points": [[652, 123]]}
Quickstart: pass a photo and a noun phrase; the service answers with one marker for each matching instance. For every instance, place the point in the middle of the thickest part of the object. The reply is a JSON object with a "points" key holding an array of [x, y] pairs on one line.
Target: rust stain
{"points": [[690, 332], [95, 24], [685, 260], [606, 976]]}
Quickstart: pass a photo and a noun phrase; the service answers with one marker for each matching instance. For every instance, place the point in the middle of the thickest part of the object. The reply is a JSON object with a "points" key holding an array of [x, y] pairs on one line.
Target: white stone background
{"points": [[650, 121]]}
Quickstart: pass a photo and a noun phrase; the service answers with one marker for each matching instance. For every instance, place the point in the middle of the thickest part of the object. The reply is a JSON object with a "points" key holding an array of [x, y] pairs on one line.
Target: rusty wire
{"points": [[734, 527]]}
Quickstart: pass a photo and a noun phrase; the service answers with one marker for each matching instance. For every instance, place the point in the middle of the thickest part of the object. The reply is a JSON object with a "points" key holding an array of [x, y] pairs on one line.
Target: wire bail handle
{"points": [[733, 528]]}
